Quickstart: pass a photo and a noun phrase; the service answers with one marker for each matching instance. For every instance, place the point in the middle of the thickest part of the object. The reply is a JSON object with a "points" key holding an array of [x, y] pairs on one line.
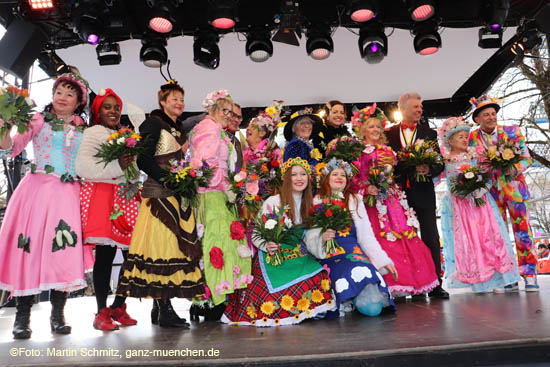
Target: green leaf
{"points": [[117, 212], [49, 169], [24, 243], [33, 168]]}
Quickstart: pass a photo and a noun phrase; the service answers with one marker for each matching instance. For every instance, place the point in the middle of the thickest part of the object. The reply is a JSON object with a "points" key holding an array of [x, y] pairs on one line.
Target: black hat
{"points": [[307, 112]]}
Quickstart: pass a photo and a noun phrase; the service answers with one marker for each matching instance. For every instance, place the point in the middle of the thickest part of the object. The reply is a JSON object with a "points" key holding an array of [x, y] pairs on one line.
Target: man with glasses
{"points": [[235, 119]]}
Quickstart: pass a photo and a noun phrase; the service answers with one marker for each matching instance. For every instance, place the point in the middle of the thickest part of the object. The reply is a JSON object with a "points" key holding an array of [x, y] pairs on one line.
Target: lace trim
{"points": [[65, 287], [405, 290]]}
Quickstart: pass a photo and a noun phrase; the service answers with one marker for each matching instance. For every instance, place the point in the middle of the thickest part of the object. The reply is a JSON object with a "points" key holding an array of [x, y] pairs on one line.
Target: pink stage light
{"points": [[362, 15], [429, 51], [41, 4], [223, 23], [423, 12], [161, 25], [320, 54]]}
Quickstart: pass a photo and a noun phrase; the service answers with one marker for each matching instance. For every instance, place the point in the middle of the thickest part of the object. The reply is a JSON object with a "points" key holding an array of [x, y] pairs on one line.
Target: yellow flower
{"points": [[297, 317], [325, 285], [287, 302], [135, 136], [321, 135], [265, 320], [319, 168], [317, 296], [114, 135], [303, 304], [316, 154], [492, 151], [267, 308], [277, 321], [251, 312], [270, 111], [344, 232], [507, 154], [252, 322]]}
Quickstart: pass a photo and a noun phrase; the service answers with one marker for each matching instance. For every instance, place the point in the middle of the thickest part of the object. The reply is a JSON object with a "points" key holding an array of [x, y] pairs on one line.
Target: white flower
{"points": [[29, 101], [244, 251], [340, 195], [101, 92], [288, 222], [121, 140], [112, 141], [469, 175], [270, 224], [391, 237]]}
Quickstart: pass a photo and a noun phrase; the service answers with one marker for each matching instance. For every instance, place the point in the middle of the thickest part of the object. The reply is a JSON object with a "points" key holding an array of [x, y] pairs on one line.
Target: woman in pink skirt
{"points": [[40, 239], [108, 218]]}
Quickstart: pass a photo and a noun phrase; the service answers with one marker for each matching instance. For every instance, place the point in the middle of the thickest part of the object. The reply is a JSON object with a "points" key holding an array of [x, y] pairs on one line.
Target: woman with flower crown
{"points": [[226, 258], [40, 238], [258, 133], [100, 197], [355, 277], [164, 255], [297, 289], [477, 250], [393, 221]]}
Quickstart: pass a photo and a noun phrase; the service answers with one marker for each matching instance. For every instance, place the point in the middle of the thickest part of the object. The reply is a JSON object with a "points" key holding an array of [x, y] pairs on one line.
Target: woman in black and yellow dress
{"points": [[164, 255]]}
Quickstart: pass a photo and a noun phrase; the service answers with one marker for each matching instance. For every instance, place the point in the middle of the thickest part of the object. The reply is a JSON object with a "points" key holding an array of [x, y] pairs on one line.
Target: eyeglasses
{"points": [[232, 114]]}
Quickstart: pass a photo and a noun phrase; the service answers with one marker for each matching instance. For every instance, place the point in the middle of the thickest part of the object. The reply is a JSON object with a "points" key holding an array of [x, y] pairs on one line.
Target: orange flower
{"points": [[303, 304], [253, 177], [239, 184]]}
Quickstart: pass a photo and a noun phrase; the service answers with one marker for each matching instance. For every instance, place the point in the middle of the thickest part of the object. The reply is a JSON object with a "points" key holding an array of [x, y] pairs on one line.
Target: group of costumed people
{"points": [[217, 252]]}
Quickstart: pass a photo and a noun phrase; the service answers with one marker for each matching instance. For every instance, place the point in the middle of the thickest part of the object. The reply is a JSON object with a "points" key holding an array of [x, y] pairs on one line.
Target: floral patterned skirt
{"points": [[255, 306]]}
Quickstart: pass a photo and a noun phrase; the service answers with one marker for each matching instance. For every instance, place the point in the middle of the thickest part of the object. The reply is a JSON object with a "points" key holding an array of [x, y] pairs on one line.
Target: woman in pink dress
{"points": [[40, 239], [392, 220]]}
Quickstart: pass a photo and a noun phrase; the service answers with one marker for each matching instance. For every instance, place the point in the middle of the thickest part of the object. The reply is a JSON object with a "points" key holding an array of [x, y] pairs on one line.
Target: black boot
{"points": [[155, 313], [21, 329], [215, 313], [195, 311], [57, 318], [168, 317]]}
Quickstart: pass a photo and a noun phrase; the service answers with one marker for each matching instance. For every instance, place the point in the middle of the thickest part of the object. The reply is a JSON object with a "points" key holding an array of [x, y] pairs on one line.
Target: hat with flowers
{"points": [[325, 168], [211, 98], [483, 102], [296, 162], [360, 116], [75, 79], [270, 117]]}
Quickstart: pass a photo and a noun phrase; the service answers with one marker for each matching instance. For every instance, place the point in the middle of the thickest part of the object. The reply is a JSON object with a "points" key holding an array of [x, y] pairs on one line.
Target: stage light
{"points": [[490, 37], [161, 19], [397, 116], [206, 52], [88, 28], [319, 43], [153, 53], [108, 53], [529, 38], [427, 40], [222, 14], [373, 43], [41, 4], [497, 13], [258, 46], [363, 10], [421, 10]]}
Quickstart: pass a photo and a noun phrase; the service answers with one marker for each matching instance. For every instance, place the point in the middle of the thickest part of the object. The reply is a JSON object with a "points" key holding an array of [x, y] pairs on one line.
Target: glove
{"points": [[231, 196]]}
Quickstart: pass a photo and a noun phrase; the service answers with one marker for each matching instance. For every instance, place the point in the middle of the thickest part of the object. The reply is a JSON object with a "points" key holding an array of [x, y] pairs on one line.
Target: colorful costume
{"points": [[164, 255], [300, 148], [40, 238], [393, 222], [224, 267], [512, 195], [260, 151], [286, 294]]}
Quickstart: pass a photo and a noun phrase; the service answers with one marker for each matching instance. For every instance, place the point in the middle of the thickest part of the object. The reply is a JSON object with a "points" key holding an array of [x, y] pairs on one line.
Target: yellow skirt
{"points": [[156, 266]]}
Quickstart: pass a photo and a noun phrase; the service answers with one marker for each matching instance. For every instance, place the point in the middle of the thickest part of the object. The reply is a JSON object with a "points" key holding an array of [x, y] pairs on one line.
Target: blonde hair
{"points": [[220, 105]]}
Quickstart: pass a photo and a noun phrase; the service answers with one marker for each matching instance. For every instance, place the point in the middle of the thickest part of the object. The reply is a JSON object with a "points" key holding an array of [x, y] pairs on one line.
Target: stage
{"points": [[467, 330]]}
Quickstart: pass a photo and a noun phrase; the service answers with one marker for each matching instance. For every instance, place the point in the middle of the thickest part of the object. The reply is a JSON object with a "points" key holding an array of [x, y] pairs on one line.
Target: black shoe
{"points": [[195, 311], [155, 313], [57, 318], [418, 297], [21, 329], [439, 293], [168, 317], [215, 313]]}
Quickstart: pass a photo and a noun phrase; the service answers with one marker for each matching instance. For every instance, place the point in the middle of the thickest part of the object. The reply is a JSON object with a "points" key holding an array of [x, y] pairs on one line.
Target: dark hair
{"points": [[165, 91], [328, 106]]}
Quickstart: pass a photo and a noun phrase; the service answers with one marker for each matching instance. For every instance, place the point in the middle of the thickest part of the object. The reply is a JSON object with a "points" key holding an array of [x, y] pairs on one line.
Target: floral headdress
{"points": [[359, 117], [450, 126], [484, 101], [296, 162], [212, 97], [325, 168], [78, 80], [270, 118]]}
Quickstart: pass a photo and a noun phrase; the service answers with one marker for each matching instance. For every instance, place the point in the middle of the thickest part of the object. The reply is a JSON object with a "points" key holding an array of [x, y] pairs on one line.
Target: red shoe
{"points": [[103, 320], [121, 316]]}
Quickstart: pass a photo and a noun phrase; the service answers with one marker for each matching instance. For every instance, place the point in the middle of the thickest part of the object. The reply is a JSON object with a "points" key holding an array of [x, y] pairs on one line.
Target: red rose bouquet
{"points": [[274, 226], [16, 109], [330, 213], [186, 177], [422, 152], [471, 181]]}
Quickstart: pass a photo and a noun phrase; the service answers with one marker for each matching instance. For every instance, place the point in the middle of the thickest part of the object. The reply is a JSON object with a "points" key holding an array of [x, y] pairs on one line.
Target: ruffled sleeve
{"points": [[87, 166], [20, 141]]}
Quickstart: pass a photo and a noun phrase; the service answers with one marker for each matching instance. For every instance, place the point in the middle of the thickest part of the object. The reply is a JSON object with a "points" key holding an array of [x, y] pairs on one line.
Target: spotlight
{"points": [[421, 10], [397, 116], [88, 28], [489, 37], [206, 52], [41, 4], [161, 19], [497, 13], [363, 10], [108, 53], [319, 44], [153, 53], [222, 14], [373, 43], [258, 46], [427, 40]]}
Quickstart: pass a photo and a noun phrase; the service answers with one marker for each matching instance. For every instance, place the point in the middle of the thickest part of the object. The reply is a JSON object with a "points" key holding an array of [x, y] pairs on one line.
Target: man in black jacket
{"points": [[420, 195]]}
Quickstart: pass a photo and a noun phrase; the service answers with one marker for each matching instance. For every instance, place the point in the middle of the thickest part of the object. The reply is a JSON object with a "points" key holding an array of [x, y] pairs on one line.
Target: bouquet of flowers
{"points": [[331, 213], [502, 156], [471, 181], [380, 177], [16, 108], [422, 152], [346, 148], [273, 227], [121, 142], [186, 177]]}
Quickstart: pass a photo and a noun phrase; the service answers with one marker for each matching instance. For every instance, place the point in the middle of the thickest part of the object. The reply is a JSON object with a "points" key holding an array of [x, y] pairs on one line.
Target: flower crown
{"points": [[325, 168], [359, 117], [296, 162], [80, 81], [451, 126], [483, 101], [212, 97], [270, 118]]}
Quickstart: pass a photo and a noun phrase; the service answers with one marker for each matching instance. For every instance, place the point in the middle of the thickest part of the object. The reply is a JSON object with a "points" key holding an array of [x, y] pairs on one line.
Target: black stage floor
{"points": [[467, 330]]}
